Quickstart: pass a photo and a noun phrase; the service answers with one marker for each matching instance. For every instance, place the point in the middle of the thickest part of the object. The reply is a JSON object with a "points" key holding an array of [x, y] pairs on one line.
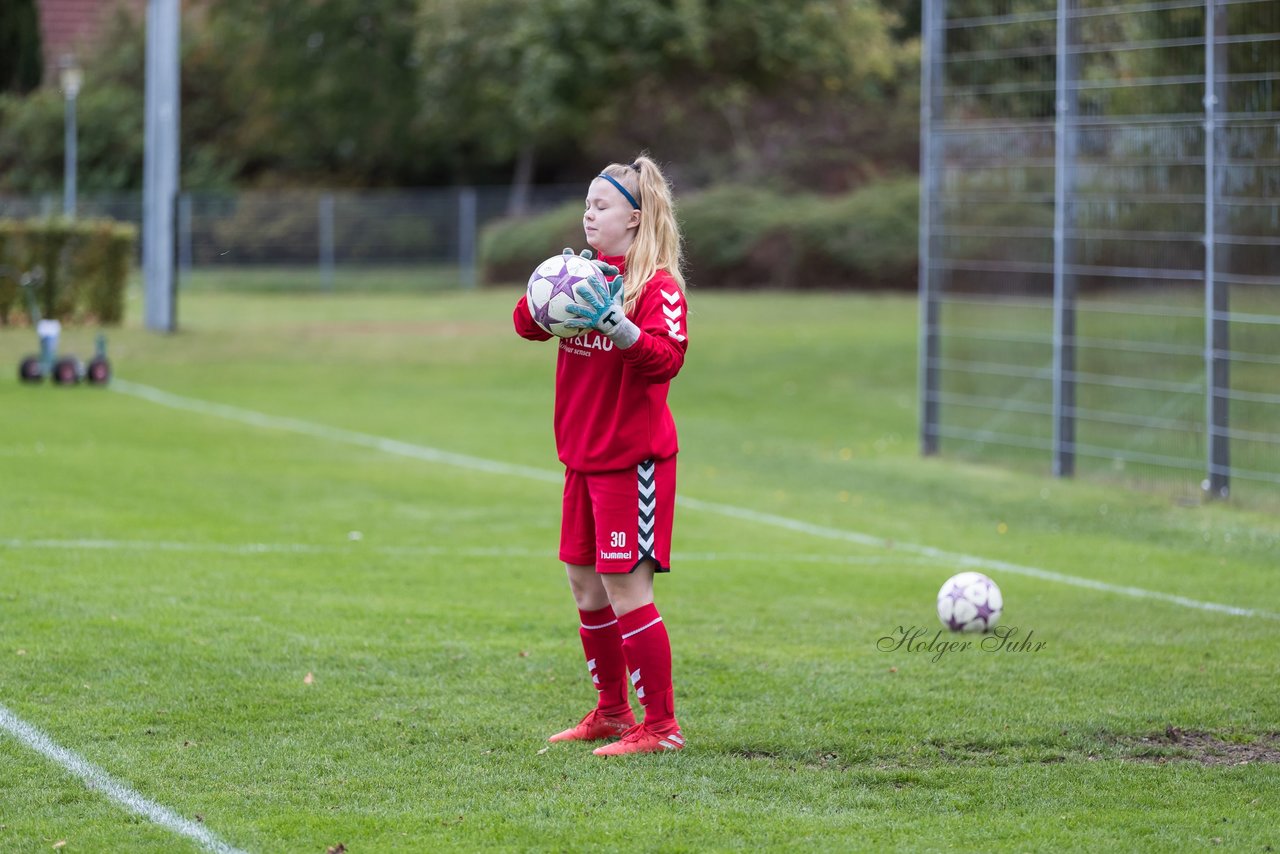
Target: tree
{"points": [[815, 93], [512, 80], [323, 89], [21, 56], [111, 118], [909, 13], [503, 80]]}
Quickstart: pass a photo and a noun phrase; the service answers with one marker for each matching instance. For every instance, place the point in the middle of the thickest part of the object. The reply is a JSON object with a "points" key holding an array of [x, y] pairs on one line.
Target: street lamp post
{"points": [[71, 76]]}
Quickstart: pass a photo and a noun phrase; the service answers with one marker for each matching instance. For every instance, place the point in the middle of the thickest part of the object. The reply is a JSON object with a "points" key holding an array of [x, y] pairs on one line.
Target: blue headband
{"points": [[621, 189]]}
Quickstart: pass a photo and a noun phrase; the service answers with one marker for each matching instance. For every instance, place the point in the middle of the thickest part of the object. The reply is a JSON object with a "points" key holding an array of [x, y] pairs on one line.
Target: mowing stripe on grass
{"points": [[435, 455], [97, 779], [260, 548], [427, 551]]}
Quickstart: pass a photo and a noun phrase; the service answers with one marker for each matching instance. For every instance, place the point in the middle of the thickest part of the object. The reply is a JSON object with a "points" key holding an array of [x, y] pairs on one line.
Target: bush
{"points": [[102, 269], [510, 248], [871, 235], [86, 267], [750, 237], [742, 237]]}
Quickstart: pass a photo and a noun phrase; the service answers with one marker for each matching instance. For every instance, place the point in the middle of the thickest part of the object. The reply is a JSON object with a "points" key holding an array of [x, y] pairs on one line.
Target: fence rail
{"points": [[318, 230], [1100, 237]]}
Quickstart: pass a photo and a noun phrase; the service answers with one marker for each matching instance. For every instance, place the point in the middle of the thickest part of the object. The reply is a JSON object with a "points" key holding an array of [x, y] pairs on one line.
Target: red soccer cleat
{"points": [[641, 739], [596, 726]]}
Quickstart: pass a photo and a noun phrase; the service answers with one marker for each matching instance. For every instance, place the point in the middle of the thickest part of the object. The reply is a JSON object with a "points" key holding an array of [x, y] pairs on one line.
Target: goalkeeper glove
{"points": [[607, 269], [603, 311]]}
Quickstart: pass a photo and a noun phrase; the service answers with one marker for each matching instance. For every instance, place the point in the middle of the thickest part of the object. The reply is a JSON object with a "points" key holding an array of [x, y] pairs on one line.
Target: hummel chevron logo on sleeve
{"points": [[673, 313]]}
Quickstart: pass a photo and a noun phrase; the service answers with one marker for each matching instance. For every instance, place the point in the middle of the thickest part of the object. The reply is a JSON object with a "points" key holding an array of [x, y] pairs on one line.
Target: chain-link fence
{"points": [[318, 239], [1100, 237]]}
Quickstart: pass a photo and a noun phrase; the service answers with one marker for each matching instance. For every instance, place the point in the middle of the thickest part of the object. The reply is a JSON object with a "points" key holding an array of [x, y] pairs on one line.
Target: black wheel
{"points": [[67, 371], [99, 371], [30, 370]]}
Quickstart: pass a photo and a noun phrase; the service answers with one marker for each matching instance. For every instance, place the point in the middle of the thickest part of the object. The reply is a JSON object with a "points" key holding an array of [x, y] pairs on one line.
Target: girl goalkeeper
{"points": [[617, 440]]}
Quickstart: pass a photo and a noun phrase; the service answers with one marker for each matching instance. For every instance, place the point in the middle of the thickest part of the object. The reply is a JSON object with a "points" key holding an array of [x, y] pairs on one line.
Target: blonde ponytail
{"points": [[657, 242]]}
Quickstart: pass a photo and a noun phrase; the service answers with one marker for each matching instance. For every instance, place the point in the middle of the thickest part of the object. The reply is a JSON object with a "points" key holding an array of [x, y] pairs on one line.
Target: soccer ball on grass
{"points": [[969, 602], [551, 289]]}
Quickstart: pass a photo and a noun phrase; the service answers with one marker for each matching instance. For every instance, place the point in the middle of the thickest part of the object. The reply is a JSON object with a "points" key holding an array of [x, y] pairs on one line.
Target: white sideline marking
{"points": [[97, 779], [435, 455], [960, 560], [350, 437]]}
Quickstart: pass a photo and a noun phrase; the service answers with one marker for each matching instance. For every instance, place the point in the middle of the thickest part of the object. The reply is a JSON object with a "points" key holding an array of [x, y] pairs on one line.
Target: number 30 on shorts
{"points": [[618, 539]]}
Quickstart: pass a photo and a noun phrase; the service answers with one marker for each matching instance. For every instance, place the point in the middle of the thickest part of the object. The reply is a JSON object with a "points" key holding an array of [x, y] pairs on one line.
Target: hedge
{"points": [[86, 267], [510, 248], [754, 237], [751, 237]]}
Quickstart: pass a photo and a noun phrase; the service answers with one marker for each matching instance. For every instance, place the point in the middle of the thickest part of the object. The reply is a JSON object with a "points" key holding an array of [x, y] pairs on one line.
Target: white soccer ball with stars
{"points": [[551, 289], [969, 602]]}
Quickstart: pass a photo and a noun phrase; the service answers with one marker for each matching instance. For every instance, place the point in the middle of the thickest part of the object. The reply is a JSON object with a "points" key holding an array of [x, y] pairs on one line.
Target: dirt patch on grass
{"points": [[1176, 744], [756, 754]]}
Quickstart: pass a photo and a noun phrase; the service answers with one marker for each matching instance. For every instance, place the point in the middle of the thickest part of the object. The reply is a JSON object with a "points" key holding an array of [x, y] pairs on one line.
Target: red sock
{"points": [[648, 651], [602, 643]]}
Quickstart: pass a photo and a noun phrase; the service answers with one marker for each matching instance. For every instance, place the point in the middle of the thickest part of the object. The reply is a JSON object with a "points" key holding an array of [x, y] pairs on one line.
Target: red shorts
{"points": [[616, 519]]}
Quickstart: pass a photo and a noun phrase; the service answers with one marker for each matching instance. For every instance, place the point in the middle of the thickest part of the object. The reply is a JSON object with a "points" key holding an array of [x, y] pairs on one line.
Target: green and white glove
{"points": [[605, 313]]}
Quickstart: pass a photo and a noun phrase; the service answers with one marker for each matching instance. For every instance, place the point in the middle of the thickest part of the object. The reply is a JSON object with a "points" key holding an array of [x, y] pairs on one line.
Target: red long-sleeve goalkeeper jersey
{"points": [[611, 404]]}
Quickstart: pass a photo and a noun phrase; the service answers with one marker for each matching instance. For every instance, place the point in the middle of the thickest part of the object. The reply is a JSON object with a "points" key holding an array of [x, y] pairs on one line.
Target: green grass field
{"points": [[347, 279], [245, 583]]}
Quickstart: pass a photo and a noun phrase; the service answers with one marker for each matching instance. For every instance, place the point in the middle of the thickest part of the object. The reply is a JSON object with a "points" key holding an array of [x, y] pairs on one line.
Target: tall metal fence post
{"points": [[69, 158], [1216, 295], [324, 216], [1066, 102], [467, 227], [931, 111], [160, 179]]}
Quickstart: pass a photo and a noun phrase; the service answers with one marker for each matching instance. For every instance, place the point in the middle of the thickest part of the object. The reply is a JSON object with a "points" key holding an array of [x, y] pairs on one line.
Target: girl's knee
{"points": [[588, 590], [632, 590]]}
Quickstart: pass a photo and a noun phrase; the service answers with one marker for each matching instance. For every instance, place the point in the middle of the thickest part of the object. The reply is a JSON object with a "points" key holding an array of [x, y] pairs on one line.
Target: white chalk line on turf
{"points": [[964, 561], [336, 434], [429, 454], [97, 779]]}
